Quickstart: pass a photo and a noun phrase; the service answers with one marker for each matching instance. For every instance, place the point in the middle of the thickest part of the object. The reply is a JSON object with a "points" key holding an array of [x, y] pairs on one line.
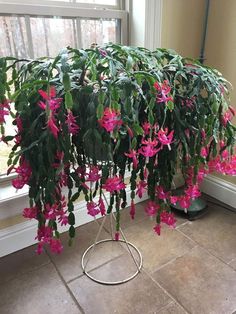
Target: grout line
{"points": [[162, 288], [204, 248], [174, 259], [96, 267], [27, 272], [66, 286]]}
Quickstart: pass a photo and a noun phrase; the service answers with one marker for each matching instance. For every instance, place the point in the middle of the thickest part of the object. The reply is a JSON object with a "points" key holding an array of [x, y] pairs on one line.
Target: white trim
{"points": [[22, 235], [68, 11], [63, 4], [153, 24], [220, 189]]}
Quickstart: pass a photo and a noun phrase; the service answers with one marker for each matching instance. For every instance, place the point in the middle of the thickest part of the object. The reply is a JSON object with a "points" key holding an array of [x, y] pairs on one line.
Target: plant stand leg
{"points": [[90, 250]]}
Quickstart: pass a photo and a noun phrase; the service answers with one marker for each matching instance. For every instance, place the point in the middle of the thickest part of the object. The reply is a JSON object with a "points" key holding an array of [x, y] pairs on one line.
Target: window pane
{"points": [[105, 2], [13, 37], [4, 148], [50, 35], [98, 32]]}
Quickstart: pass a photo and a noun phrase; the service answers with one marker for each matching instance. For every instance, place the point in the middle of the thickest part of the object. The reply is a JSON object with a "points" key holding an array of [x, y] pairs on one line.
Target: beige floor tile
{"points": [[37, 292], [215, 231], [172, 308], [233, 264], [21, 262], [69, 261], [157, 250], [200, 283], [140, 295]]}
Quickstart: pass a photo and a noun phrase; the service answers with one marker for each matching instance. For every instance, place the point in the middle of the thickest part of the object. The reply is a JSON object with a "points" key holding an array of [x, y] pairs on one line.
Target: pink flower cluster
{"points": [[163, 90], [228, 116], [24, 172], [150, 147], [153, 209], [114, 184], [94, 208], [56, 210], [110, 120], [45, 236], [4, 111], [50, 103], [72, 125], [19, 126]]}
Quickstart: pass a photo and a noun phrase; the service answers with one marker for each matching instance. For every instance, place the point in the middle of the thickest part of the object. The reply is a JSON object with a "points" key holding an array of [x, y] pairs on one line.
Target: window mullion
{"points": [[29, 36], [79, 33]]}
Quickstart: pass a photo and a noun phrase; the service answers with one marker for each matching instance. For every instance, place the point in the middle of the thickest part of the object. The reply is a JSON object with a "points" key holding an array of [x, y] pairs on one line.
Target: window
{"points": [[34, 28]]}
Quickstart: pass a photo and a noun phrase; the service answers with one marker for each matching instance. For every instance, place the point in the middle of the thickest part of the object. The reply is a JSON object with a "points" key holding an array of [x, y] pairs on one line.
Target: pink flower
{"points": [[168, 219], [93, 175], [102, 52], [18, 183], [163, 90], [157, 229], [149, 148], [102, 206], [56, 246], [174, 199], [225, 154], [133, 154], [189, 102], [165, 139], [141, 187], [4, 111], [204, 152], [187, 133], [114, 184], [30, 212], [146, 127], [228, 116], [63, 180], [117, 236], [24, 172], [130, 132], [203, 133], [184, 201], [39, 249], [151, 208], [72, 125], [44, 234], [110, 120], [193, 191], [93, 208], [161, 194], [63, 219], [52, 126], [53, 103], [51, 211], [132, 209], [202, 172]]}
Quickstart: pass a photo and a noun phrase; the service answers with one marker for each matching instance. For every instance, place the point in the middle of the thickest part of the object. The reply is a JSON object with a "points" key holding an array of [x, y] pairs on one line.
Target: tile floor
{"points": [[191, 269]]}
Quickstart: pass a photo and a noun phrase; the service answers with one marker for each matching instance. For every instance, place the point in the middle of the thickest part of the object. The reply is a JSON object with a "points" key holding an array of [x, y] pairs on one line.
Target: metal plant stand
{"points": [[138, 263]]}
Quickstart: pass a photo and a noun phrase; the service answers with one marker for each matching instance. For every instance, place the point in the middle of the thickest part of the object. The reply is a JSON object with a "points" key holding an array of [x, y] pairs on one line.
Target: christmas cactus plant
{"points": [[85, 117]]}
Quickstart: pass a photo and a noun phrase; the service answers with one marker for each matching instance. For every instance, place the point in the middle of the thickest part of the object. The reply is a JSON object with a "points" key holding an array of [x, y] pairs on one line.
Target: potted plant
{"points": [[86, 116]]}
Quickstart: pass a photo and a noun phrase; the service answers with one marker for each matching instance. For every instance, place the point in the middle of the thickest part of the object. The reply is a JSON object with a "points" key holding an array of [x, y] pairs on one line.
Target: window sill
{"points": [[8, 192]]}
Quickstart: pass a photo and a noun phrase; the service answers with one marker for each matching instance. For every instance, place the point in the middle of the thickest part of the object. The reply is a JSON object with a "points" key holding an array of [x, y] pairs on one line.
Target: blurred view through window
{"points": [[32, 36]]}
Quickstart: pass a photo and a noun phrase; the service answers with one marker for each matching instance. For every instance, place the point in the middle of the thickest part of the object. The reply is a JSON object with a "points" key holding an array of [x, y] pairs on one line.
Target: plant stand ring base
{"points": [[139, 265]]}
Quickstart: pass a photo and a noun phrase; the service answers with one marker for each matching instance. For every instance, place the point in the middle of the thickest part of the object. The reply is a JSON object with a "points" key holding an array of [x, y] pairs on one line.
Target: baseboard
{"points": [[22, 235], [220, 189]]}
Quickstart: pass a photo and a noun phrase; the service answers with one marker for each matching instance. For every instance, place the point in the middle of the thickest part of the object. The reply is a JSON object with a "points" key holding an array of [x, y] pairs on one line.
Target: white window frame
{"points": [[68, 9], [64, 9]]}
